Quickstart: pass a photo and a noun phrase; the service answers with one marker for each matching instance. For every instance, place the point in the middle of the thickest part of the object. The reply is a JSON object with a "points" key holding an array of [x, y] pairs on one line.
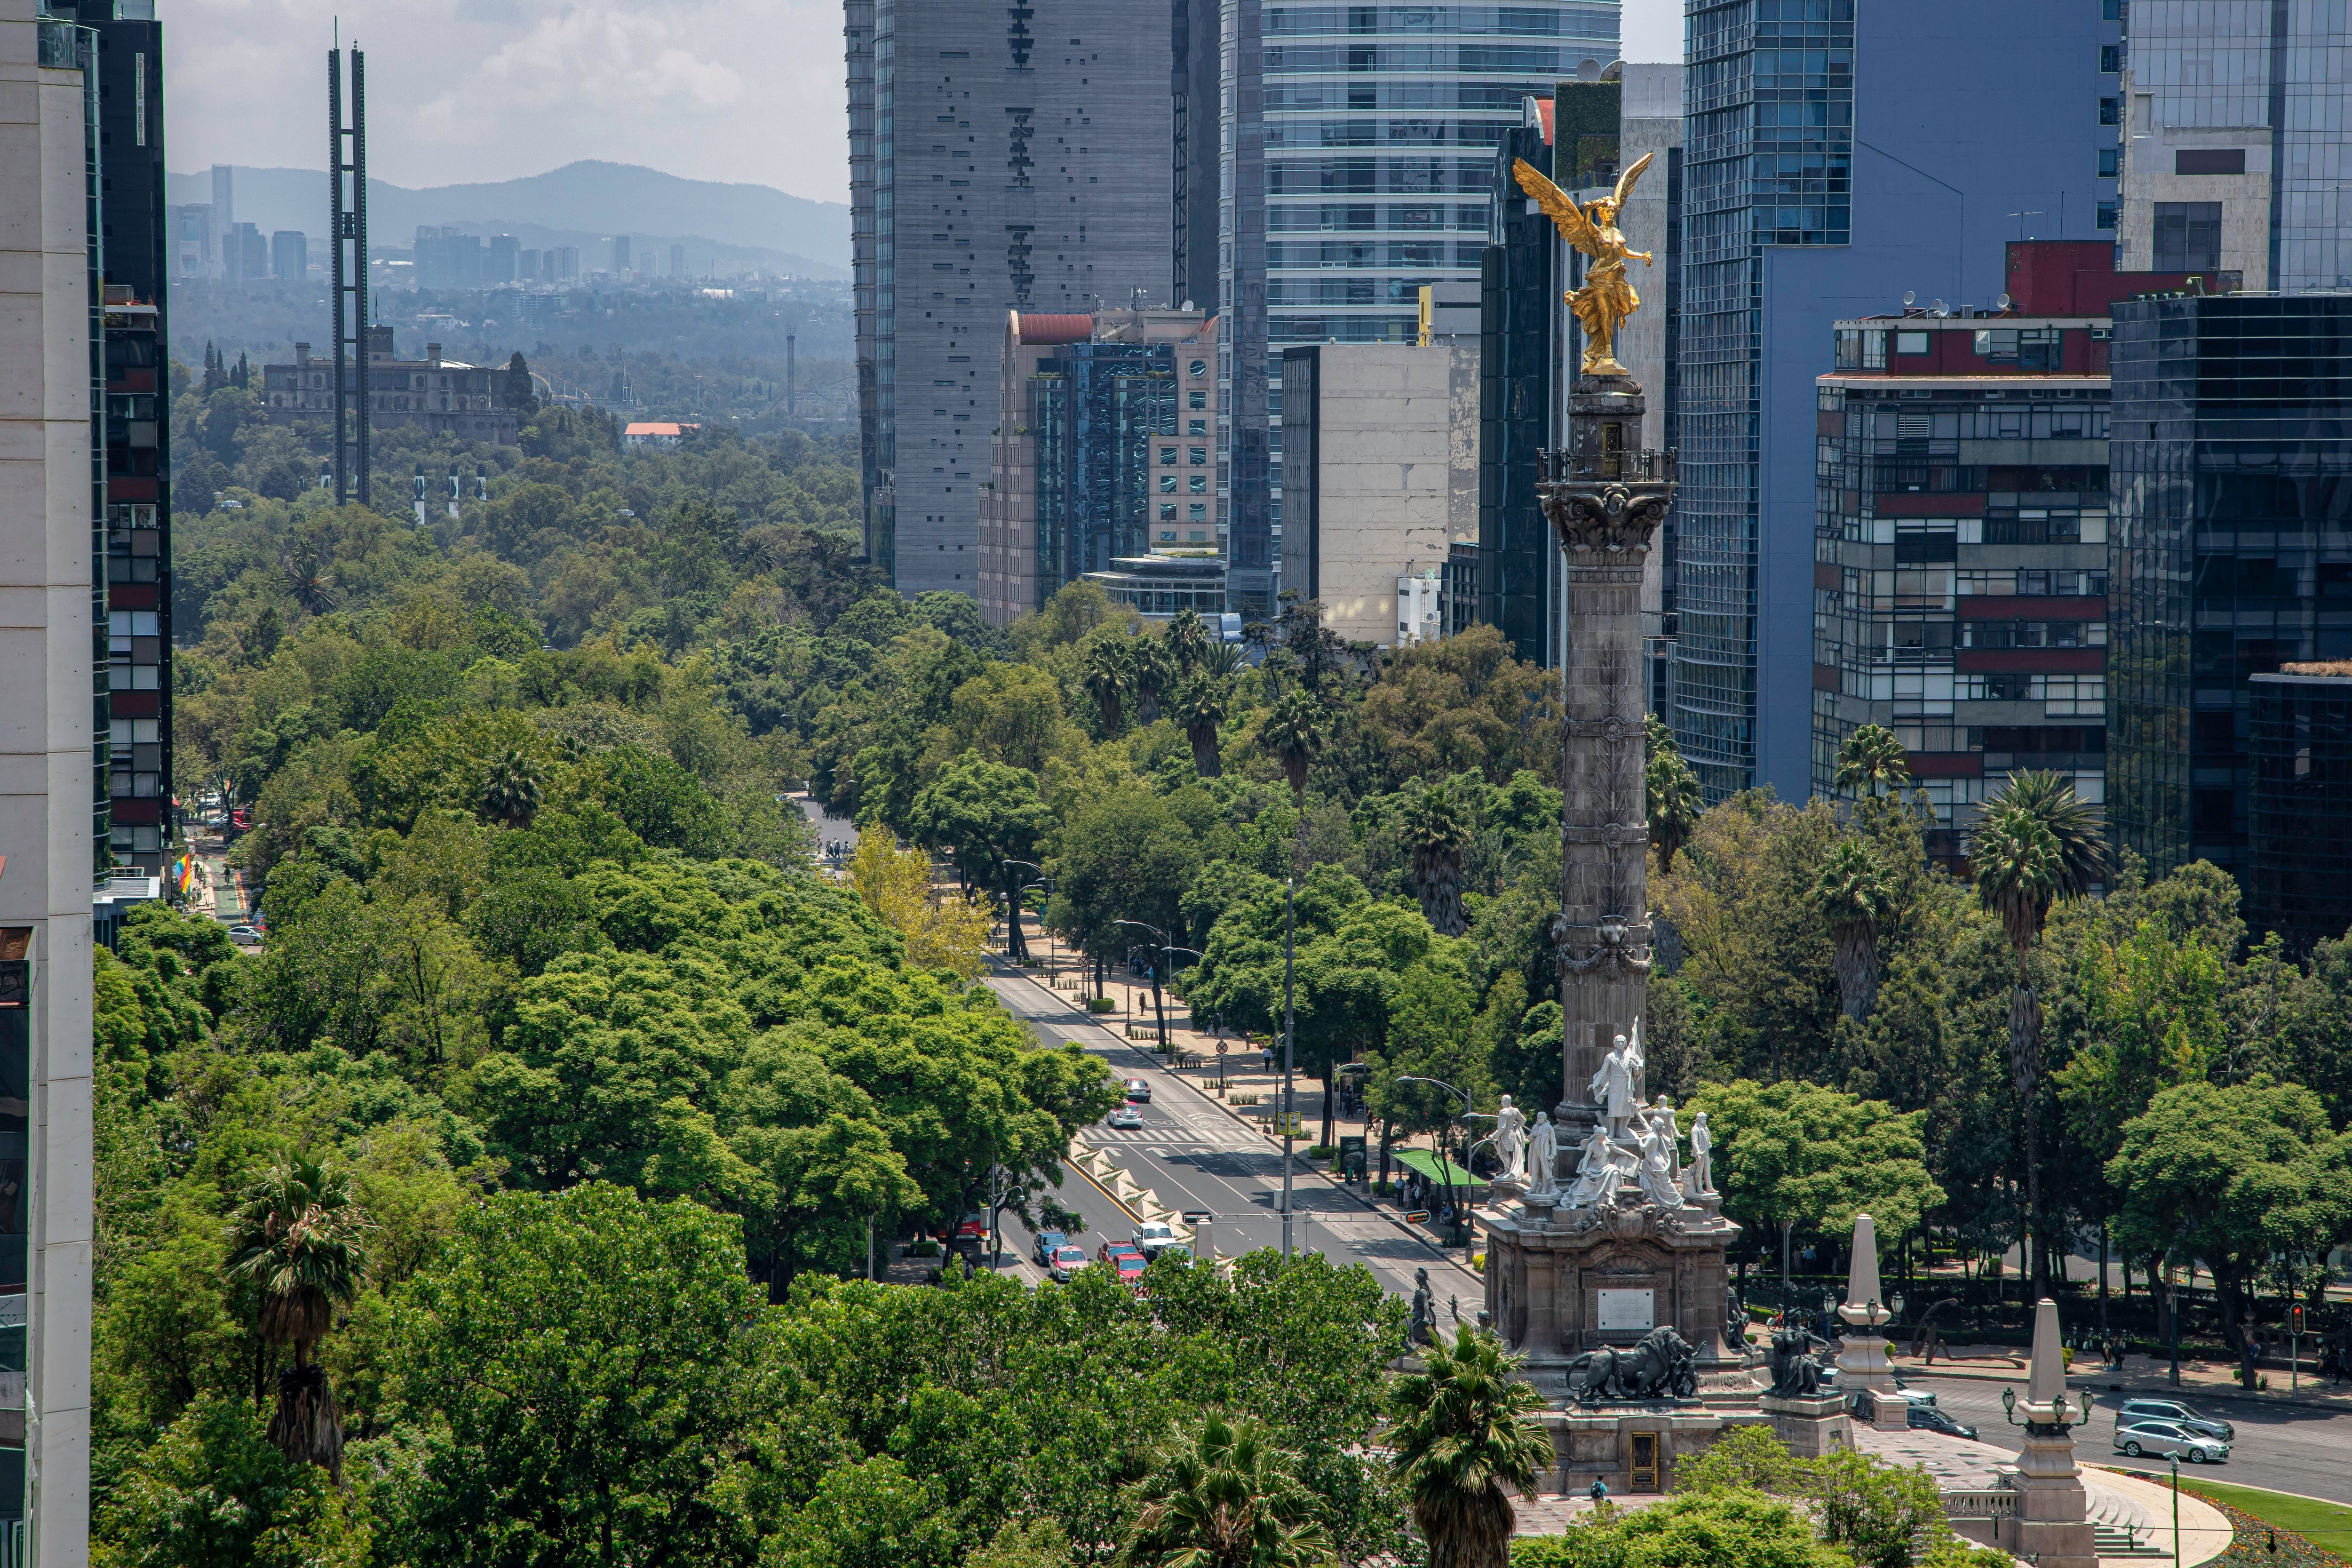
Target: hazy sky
{"points": [[462, 90]]}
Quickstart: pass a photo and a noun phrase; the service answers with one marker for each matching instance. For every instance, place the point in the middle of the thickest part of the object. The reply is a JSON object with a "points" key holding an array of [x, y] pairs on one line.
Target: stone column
{"points": [[1605, 497], [2052, 1526], [1861, 1355]]}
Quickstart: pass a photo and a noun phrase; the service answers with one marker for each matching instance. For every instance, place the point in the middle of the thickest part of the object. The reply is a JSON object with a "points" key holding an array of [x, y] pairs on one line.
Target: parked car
{"points": [[2163, 1439], [1154, 1236], [1044, 1246], [1928, 1418], [1126, 1119], [1067, 1262], [2173, 1410], [1139, 1091], [243, 935]]}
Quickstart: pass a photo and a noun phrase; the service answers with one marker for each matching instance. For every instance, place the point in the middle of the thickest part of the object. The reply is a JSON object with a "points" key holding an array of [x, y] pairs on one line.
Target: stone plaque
{"points": [[1627, 1311]]}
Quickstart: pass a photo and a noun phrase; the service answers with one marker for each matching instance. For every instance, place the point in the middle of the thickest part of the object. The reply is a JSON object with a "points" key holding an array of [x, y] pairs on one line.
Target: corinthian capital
{"points": [[1605, 518]]}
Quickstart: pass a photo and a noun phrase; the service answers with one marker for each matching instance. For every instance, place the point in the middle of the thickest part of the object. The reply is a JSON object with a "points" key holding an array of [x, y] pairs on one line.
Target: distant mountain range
{"points": [[580, 204]]}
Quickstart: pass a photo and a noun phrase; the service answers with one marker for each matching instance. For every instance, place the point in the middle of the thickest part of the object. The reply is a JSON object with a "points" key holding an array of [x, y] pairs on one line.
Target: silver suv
{"points": [[2169, 1439], [2133, 1410]]}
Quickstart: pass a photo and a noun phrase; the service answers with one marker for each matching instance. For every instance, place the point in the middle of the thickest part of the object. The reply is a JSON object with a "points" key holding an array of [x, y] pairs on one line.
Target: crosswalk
{"points": [[1221, 1142]]}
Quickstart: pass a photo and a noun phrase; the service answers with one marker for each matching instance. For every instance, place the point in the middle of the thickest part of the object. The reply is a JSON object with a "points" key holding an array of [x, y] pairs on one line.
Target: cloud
{"points": [[485, 90]]}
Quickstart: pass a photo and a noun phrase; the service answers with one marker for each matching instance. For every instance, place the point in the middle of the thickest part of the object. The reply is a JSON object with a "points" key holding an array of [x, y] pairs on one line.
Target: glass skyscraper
{"points": [[1356, 158]]}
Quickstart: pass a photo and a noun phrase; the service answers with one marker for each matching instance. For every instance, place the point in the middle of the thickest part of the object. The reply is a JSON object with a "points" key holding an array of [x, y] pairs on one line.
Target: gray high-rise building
{"points": [[998, 160], [2235, 142], [289, 255], [1356, 155], [622, 261]]}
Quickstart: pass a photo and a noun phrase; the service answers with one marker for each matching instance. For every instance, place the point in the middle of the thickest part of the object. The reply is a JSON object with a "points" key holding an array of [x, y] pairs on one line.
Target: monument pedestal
{"points": [[2051, 1526], [1865, 1372], [1634, 1448], [1810, 1427], [1560, 1282]]}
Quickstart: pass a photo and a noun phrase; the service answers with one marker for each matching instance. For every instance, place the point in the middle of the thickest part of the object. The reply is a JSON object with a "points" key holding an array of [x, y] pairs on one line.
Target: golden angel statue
{"points": [[1607, 297]]}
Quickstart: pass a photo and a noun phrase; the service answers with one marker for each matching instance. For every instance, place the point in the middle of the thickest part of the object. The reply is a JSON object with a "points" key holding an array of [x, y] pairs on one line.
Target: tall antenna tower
{"points": [[347, 158]]}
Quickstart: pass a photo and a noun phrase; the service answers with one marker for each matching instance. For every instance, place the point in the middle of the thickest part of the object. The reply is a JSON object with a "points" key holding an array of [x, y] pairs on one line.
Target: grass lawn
{"points": [[2326, 1525]]}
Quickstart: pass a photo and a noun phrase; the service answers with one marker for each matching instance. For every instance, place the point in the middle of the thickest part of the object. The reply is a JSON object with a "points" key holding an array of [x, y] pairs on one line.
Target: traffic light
{"points": [[2294, 1318]]}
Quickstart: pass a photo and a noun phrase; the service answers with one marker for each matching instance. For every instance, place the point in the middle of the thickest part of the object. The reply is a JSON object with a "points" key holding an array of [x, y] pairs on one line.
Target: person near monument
{"points": [[1700, 1178], [1511, 1140]]}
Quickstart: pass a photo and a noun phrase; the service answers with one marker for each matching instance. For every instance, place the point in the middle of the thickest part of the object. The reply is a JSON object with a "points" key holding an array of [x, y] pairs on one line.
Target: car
{"points": [[1110, 1249], [1129, 1267], [1928, 1419], [2164, 1438], [1139, 1091], [244, 933], [1043, 1248], [2173, 1410], [1154, 1236], [1126, 1119], [1066, 1262]]}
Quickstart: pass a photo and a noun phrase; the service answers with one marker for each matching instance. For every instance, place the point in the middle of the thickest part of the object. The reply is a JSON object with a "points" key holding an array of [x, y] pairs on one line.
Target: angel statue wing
{"points": [[1556, 207], [1625, 181]]}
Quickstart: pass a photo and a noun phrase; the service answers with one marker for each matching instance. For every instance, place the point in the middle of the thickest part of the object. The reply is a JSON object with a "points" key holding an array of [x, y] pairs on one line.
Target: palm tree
{"points": [[1222, 1495], [1187, 639], [1198, 703], [511, 794], [1674, 804], [305, 566], [1871, 758], [1224, 659], [1856, 901], [1460, 1433], [1293, 732], [1149, 672], [2036, 846], [302, 1242], [1105, 678], [1436, 833]]}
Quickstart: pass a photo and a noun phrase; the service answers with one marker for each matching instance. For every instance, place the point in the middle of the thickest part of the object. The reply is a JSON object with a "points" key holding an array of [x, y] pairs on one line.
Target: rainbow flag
{"points": [[184, 873]]}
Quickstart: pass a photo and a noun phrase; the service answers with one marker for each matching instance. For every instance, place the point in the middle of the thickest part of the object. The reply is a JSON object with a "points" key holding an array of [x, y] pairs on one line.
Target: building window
{"points": [[1910, 342], [1198, 484], [2188, 236], [2110, 58], [1168, 484], [2106, 215], [2108, 114], [2210, 161], [1168, 456], [2110, 159], [1168, 511], [1196, 456], [1198, 367]]}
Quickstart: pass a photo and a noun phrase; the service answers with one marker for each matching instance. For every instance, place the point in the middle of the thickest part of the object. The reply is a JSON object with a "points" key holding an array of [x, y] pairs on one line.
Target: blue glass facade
{"points": [[1094, 408], [1834, 158]]}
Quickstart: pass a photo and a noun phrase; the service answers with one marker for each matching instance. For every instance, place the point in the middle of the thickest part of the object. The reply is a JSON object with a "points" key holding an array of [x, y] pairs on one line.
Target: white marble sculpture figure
{"points": [[1511, 1140], [1615, 1088], [1543, 1155], [1663, 1113], [1599, 1165], [1700, 1177], [1657, 1175]]}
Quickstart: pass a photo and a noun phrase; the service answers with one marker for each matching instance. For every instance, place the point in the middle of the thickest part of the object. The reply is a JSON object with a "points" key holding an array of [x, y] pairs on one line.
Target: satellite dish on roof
{"points": [[2004, 301], [1588, 69], [1908, 296]]}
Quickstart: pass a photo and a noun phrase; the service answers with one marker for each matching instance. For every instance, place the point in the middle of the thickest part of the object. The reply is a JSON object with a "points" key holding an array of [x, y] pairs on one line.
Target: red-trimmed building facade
{"points": [[1960, 553]]}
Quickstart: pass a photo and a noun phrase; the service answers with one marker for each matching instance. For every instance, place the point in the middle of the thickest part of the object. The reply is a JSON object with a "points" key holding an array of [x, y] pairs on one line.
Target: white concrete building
{"points": [[1380, 465], [50, 611]]}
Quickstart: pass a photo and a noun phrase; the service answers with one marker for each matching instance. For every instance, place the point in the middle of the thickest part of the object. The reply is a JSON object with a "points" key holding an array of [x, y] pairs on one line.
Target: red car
{"points": [[1129, 1264]]}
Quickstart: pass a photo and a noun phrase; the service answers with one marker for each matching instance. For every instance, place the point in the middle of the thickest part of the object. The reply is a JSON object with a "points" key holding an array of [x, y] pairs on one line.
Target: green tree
{"points": [[1437, 830], [214, 1491], [588, 1365], [1222, 1494], [1674, 802], [1107, 674], [1793, 1155], [1121, 854], [1858, 902], [1871, 761], [2036, 845], [512, 792], [1292, 735], [1461, 1435], [1199, 704], [991, 816], [302, 1243]]}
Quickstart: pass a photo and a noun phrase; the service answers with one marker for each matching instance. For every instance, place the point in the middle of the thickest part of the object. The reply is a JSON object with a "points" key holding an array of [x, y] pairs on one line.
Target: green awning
{"points": [[1445, 1173]]}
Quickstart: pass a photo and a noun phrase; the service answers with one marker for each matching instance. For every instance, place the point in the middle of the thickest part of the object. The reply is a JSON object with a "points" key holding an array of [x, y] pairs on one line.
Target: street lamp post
{"points": [[1289, 1029]]}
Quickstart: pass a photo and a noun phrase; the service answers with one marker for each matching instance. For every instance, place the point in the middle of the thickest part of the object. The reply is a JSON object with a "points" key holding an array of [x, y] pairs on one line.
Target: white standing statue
{"points": [[1511, 1140], [1543, 1146], [1616, 1087], [1657, 1175], [1662, 1115], [1700, 1177]]}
